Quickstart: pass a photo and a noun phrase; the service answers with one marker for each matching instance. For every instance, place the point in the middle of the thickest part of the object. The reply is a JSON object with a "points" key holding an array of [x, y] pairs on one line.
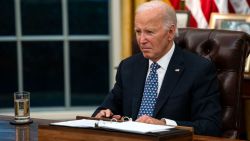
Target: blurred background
{"points": [[64, 52]]}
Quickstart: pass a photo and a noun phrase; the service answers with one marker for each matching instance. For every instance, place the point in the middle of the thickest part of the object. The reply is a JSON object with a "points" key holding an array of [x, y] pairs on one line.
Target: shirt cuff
{"points": [[170, 122]]}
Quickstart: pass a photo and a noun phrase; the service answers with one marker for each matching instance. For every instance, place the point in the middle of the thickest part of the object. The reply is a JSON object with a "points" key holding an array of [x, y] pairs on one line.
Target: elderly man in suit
{"points": [[164, 84]]}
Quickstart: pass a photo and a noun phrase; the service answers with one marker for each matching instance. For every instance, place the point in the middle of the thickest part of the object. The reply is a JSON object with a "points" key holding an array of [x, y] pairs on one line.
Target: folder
{"points": [[126, 126], [89, 131]]}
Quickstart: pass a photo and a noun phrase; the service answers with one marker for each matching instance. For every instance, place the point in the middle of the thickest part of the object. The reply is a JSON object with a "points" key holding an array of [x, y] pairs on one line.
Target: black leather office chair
{"points": [[228, 50]]}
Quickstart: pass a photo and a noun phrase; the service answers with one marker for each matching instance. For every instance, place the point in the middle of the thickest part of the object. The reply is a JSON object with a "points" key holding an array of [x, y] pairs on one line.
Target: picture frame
{"points": [[183, 18], [235, 22]]}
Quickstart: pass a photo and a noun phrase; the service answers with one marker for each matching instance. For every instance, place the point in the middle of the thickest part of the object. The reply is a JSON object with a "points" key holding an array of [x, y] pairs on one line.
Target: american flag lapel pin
{"points": [[177, 70]]}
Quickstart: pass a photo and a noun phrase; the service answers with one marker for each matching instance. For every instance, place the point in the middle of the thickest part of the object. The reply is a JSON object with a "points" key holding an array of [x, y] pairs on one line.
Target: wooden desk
{"points": [[29, 132], [59, 133]]}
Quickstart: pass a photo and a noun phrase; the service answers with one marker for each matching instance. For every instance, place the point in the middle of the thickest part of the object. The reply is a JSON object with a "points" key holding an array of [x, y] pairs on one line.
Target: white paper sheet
{"points": [[128, 126], [135, 127], [77, 123]]}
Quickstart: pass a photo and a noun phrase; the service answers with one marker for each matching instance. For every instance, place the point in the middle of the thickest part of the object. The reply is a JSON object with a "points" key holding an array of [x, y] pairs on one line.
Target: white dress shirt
{"points": [[163, 62]]}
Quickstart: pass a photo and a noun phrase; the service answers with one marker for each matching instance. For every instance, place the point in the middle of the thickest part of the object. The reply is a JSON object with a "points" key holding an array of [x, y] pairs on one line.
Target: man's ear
{"points": [[172, 31]]}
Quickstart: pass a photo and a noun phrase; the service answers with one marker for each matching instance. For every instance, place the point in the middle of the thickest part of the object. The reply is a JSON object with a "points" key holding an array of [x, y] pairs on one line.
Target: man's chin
{"points": [[150, 57], [146, 55]]}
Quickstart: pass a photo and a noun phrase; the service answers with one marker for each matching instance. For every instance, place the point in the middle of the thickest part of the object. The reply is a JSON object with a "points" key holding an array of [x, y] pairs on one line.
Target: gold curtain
{"points": [[128, 12]]}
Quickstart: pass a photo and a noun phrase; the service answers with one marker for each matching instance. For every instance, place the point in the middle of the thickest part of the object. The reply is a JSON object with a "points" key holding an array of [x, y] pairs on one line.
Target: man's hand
{"points": [[150, 120], [107, 114], [104, 114]]}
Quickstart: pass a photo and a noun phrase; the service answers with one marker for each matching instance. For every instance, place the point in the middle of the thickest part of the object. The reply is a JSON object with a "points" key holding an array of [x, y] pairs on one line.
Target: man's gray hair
{"points": [[168, 12]]}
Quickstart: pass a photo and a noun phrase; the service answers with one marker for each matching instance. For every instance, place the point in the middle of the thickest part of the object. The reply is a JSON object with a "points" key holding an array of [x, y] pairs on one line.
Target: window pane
{"points": [[8, 73], [89, 72], [43, 73], [7, 17], [41, 17], [88, 16]]}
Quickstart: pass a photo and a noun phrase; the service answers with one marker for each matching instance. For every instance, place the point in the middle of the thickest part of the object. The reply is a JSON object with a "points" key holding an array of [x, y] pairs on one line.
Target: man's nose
{"points": [[143, 39]]}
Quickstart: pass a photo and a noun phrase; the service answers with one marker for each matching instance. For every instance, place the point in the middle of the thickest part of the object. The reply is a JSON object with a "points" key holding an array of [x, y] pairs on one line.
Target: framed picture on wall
{"points": [[182, 18], [234, 22]]}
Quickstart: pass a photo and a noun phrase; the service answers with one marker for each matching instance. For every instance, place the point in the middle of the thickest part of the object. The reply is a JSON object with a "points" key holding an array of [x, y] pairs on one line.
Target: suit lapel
{"points": [[139, 78], [173, 73]]}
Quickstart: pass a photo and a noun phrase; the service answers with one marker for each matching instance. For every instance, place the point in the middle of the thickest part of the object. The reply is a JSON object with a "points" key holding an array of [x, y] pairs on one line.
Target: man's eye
{"points": [[137, 31], [149, 32]]}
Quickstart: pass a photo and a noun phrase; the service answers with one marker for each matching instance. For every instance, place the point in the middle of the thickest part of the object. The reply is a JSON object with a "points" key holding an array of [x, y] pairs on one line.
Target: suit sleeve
{"points": [[113, 101], [205, 108]]}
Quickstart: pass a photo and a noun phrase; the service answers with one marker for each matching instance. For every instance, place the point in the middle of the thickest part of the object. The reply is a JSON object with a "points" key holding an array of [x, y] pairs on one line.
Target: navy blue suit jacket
{"points": [[189, 93]]}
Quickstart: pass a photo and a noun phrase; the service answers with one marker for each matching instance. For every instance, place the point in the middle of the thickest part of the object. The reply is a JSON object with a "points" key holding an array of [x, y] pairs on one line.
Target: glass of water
{"points": [[22, 106]]}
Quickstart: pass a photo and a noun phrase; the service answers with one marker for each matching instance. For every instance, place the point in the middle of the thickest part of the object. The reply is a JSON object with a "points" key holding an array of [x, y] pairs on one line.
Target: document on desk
{"points": [[77, 123], [127, 126]]}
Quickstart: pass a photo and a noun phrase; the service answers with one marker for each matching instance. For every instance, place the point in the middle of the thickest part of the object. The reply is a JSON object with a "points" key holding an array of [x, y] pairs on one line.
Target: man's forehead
{"points": [[148, 18]]}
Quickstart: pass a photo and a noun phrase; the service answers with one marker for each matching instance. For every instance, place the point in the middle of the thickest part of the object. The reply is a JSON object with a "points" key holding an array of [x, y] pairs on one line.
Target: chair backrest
{"points": [[228, 50]]}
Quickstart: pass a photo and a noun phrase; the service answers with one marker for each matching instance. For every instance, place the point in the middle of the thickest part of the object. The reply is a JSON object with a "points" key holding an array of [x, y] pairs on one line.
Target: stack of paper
{"points": [[128, 126]]}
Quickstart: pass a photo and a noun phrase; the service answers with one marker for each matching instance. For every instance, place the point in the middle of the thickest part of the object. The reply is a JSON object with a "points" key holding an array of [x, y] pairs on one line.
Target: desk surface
{"points": [[29, 132]]}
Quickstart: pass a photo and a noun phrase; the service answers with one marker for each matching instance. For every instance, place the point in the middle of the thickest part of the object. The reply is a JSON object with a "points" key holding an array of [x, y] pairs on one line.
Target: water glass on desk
{"points": [[22, 106]]}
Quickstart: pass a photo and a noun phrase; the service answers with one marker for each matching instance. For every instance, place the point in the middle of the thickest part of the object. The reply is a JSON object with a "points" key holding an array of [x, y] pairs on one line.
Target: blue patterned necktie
{"points": [[150, 92]]}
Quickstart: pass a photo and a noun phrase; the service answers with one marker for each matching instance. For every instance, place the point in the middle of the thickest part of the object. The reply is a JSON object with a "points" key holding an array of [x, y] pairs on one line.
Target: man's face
{"points": [[152, 37]]}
